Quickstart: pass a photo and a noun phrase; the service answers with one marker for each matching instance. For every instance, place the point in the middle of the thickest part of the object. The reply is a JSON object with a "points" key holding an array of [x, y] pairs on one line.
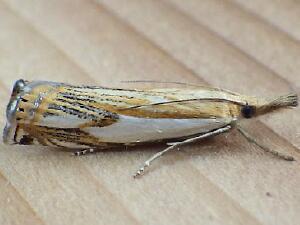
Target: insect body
{"points": [[88, 118]]}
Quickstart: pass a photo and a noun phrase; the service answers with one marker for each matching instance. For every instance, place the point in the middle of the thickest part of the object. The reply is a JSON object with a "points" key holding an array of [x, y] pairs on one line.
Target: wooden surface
{"points": [[247, 46]]}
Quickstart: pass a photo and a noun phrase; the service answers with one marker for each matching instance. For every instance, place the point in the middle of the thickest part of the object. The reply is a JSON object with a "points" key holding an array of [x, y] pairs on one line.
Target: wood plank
{"points": [[13, 208], [56, 184], [93, 43], [255, 37], [259, 40], [246, 219], [284, 15], [208, 55], [71, 196], [100, 48]]}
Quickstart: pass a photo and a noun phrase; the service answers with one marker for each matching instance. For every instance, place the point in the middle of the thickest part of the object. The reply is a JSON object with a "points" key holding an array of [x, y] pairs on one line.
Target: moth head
{"points": [[22, 111], [11, 110], [17, 111], [260, 107]]}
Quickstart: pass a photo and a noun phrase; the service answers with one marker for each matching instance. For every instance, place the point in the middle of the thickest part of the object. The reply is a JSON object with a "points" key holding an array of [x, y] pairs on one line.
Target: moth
{"points": [[93, 118]]}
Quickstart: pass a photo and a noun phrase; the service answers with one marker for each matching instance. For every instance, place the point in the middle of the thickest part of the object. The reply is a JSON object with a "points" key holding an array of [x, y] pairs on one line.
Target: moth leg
{"points": [[266, 149], [177, 144], [84, 152]]}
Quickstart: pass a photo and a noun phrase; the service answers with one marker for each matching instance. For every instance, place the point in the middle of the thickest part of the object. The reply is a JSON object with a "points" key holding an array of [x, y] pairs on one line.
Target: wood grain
{"points": [[223, 180]]}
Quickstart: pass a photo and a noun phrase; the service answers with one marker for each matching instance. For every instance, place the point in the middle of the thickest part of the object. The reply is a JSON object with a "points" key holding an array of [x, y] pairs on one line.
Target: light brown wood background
{"points": [[250, 47]]}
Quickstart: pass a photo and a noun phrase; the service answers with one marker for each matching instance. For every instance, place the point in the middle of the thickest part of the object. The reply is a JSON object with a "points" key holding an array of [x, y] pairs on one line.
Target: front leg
{"points": [[84, 151]]}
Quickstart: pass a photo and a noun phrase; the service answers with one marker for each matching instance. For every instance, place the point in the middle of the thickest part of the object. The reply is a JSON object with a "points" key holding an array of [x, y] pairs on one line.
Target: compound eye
{"points": [[248, 111], [18, 87]]}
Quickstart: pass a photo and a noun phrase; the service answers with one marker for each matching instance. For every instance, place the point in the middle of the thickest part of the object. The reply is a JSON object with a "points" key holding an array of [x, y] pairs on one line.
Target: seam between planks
{"points": [[43, 36], [33, 28], [197, 173], [136, 32], [120, 206], [132, 29], [182, 64], [115, 199], [231, 44], [252, 13], [152, 44], [26, 203]]}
